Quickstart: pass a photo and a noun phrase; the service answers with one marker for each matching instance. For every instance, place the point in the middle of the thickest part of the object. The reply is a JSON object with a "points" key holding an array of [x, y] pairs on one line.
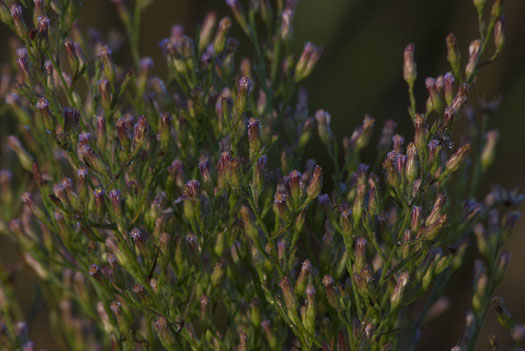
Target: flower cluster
{"points": [[183, 213]]}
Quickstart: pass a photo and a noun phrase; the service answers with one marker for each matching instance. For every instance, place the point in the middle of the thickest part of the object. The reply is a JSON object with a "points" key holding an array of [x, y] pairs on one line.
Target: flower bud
{"points": [[397, 294], [23, 64], [245, 86], [421, 133], [432, 230], [43, 27], [123, 134], [361, 135], [205, 310], [487, 155], [26, 160], [91, 159], [501, 267], [259, 175], [436, 210], [254, 137], [218, 272], [385, 141], [474, 53], [411, 167], [330, 291], [139, 133], [122, 320], [289, 300], [360, 254], [357, 208], [204, 168], [323, 126], [453, 55], [222, 32], [316, 182], [18, 22], [397, 141], [456, 159], [417, 213], [449, 88], [302, 279], [499, 35], [409, 66], [389, 165], [165, 131], [287, 16], [270, 336], [310, 314], [307, 61], [105, 57], [191, 200], [165, 333], [434, 97], [249, 225], [206, 30], [71, 120], [503, 315]]}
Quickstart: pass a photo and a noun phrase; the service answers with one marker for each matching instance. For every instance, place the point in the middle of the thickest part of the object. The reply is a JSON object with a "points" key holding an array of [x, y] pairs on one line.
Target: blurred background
{"points": [[361, 72]]}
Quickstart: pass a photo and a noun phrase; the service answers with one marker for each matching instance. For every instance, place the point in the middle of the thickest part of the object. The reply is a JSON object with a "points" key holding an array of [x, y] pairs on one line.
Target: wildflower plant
{"points": [[183, 213]]}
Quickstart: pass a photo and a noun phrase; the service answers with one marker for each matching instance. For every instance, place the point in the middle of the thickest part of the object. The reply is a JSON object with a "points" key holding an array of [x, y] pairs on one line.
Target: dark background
{"points": [[361, 72]]}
